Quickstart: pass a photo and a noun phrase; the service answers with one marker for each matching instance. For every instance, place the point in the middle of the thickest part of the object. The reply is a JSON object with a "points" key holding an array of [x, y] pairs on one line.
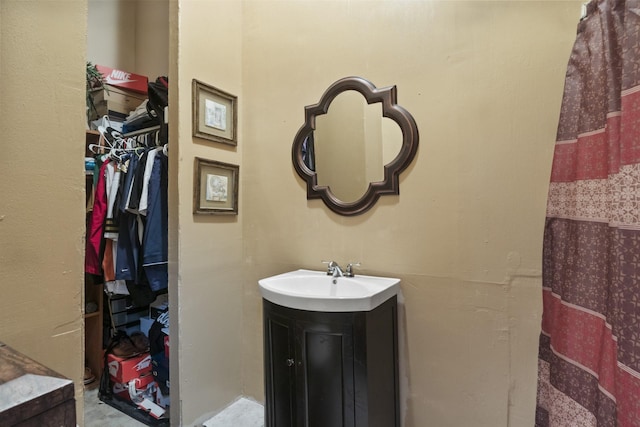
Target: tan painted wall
{"points": [[152, 38], [484, 83], [42, 94], [207, 39], [111, 34], [130, 35]]}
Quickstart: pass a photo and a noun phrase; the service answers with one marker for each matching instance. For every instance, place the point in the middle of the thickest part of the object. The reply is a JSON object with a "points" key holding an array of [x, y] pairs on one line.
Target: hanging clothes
{"points": [[144, 195], [128, 242], [95, 229], [127, 234], [133, 201], [155, 240], [589, 351], [111, 182]]}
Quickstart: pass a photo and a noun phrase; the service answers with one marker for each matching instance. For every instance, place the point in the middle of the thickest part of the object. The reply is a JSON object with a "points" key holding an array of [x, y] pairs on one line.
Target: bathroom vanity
{"points": [[331, 368], [331, 338]]}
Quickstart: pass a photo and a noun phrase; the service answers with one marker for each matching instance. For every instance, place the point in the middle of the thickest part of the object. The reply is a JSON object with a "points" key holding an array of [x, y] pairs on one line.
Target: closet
{"points": [[126, 262], [132, 39]]}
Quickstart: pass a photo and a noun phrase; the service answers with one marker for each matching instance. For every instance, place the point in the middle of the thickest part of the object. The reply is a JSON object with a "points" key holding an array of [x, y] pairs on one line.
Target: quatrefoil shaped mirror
{"points": [[353, 145]]}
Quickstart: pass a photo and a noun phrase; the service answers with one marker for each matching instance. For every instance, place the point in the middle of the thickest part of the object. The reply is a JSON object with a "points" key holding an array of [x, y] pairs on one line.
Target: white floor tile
{"points": [[242, 413]]}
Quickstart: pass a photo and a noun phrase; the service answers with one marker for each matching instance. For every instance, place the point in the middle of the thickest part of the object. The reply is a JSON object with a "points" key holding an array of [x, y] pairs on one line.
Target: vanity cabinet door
{"points": [[324, 372], [331, 369], [279, 371]]}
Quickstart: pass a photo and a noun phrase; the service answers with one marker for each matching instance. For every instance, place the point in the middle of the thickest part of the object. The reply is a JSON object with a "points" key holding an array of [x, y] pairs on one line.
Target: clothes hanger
{"points": [[106, 136], [99, 148], [114, 155], [139, 151]]}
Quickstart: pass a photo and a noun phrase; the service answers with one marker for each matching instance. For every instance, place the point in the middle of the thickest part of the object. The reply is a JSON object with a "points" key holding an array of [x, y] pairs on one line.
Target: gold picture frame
{"points": [[215, 114], [215, 187]]}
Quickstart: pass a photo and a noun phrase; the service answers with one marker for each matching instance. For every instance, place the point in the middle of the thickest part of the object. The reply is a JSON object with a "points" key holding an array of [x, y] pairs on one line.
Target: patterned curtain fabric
{"points": [[589, 354]]}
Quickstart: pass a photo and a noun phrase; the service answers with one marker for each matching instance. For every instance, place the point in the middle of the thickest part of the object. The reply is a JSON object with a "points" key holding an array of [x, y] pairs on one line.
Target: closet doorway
{"points": [[126, 303]]}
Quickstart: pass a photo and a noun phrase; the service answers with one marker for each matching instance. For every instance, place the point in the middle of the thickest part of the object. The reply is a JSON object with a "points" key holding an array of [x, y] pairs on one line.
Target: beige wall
{"points": [[130, 35], [207, 39], [111, 33], [42, 100], [484, 83]]}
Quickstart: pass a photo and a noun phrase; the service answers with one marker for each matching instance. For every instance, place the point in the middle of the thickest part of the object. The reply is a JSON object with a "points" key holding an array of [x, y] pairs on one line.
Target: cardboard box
{"points": [[140, 384], [117, 100], [123, 79], [124, 370]]}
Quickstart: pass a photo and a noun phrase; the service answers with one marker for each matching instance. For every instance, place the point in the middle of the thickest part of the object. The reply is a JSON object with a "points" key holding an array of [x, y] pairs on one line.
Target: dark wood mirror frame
{"points": [[390, 185]]}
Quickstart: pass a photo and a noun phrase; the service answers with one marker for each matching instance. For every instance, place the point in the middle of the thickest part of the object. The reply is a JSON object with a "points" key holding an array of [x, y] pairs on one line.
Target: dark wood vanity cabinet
{"points": [[325, 369]]}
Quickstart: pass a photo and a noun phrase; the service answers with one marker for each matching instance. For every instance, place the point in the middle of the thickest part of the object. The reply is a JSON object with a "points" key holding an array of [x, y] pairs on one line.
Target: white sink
{"points": [[317, 291]]}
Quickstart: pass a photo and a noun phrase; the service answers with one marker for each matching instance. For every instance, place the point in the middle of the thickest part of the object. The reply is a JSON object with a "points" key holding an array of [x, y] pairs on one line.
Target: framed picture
{"points": [[215, 187], [215, 114]]}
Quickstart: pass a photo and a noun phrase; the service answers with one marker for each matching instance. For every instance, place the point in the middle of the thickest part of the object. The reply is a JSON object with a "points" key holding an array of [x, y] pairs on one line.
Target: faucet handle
{"points": [[349, 271]]}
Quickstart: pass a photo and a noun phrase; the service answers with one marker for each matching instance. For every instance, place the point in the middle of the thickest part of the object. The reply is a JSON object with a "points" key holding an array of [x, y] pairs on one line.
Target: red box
{"points": [[135, 82], [124, 370], [166, 346], [140, 384]]}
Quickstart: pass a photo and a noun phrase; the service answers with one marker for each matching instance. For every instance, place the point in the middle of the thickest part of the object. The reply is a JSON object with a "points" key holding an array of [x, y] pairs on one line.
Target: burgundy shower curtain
{"points": [[589, 354]]}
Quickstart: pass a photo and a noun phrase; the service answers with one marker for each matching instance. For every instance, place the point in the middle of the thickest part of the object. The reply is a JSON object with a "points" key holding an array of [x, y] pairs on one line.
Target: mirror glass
{"points": [[352, 143]]}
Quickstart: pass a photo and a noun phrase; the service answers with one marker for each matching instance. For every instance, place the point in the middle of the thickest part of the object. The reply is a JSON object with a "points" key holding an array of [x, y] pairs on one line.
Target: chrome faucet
{"points": [[333, 269], [337, 271]]}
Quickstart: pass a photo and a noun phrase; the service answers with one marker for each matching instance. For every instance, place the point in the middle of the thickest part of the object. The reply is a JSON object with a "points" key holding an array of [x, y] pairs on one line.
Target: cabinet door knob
{"points": [[290, 362]]}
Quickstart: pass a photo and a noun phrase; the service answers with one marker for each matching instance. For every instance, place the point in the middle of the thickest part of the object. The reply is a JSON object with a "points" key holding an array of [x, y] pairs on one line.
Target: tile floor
{"points": [[241, 413]]}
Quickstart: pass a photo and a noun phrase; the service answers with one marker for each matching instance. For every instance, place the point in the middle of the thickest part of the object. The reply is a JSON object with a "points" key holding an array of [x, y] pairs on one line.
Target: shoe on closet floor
{"points": [[140, 341], [125, 348], [88, 376]]}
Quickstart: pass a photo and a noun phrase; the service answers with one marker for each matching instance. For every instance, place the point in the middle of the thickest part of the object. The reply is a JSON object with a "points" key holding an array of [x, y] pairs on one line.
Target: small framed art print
{"points": [[215, 114], [215, 187]]}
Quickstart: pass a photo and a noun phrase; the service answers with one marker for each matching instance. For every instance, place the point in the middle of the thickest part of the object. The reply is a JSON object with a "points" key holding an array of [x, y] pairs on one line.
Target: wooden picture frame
{"points": [[215, 187], [215, 114]]}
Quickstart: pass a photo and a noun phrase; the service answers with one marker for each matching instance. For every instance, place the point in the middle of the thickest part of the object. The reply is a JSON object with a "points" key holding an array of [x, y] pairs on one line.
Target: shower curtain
{"points": [[589, 352]]}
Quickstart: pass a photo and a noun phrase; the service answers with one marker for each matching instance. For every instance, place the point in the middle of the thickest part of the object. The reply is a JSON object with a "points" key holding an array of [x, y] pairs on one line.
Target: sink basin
{"points": [[316, 291]]}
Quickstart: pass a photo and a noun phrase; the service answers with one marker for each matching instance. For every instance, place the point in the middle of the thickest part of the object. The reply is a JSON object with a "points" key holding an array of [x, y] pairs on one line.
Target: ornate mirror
{"points": [[353, 145]]}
